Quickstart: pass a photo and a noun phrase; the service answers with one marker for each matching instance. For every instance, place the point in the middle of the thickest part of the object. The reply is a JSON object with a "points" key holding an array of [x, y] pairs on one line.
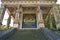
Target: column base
{"points": [[41, 25], [58, 26], [15, 25]]}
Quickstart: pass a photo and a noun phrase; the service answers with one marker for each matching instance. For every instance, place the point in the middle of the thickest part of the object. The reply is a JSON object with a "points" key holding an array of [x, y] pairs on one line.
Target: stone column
{"points": [[2, 12], [56, 15], [40, 18], [16, 21], [8, 21]]}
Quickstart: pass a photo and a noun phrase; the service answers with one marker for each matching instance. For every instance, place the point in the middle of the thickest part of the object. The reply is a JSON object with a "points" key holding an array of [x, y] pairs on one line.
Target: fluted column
{"points": [[40, 18], [56, 15], [2, 12], [16, 21]]}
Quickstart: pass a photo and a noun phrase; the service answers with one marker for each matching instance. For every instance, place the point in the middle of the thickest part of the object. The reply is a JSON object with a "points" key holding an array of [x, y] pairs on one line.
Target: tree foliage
{"points": [[47, 24], [59, 8], [3, 27], [53, 20]]}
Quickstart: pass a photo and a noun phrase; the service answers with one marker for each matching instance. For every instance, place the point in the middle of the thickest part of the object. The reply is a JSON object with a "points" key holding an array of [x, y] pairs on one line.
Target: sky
{"points": [[6, 16], [58, 2]]}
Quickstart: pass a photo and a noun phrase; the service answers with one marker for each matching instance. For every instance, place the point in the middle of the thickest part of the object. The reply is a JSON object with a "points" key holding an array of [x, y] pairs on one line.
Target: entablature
{"points": [[25, 0]]}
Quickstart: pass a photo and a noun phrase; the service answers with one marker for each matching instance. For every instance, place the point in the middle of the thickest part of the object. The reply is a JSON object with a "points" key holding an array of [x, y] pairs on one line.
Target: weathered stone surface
{"points": [[41, 34], [7, 33], [8, 21], [2, 11], [56, 15], [28, 0], [16, 22], [40, 19]]}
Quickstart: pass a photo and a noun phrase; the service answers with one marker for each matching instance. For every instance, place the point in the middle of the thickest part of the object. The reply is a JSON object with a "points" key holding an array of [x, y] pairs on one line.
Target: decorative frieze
{"points": [[26, 0], [30, 2]]}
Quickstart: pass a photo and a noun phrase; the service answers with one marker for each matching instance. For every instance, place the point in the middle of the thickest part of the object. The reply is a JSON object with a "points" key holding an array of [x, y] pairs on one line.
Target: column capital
{"points": [[17, 11], [55, 7], [38, 9], [19, 8], [2, 6]]}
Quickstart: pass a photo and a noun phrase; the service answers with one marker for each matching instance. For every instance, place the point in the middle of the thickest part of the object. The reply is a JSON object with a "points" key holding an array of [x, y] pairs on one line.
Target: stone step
{"points": [[51, 34], [40, 34], [6, 33], [29, 35]]}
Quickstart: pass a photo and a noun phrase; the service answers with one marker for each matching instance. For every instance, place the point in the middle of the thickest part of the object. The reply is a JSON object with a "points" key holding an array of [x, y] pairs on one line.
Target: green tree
{"points": [[59, 8], [47, 24], [53, 20]]}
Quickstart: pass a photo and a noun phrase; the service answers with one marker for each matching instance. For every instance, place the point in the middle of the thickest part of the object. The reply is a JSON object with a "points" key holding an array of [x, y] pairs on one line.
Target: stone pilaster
{"points": [[56, 15], [8, 21], [2, 12], [40, 19], [16, 21]]}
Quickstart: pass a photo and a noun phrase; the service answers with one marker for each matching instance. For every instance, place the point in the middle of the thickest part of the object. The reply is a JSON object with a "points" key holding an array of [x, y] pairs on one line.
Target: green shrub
{"points": [[47, 24], [3, 27], [53, 20], [59, 8]]}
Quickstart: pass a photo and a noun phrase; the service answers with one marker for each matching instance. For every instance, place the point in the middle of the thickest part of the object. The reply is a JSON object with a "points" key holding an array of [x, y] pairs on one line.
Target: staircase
{"points": [[39, 34], [28, 35]]}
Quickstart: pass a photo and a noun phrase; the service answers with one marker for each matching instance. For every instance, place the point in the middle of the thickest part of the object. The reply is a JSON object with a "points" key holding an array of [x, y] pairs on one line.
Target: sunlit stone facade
{"points": [[30, 14]]}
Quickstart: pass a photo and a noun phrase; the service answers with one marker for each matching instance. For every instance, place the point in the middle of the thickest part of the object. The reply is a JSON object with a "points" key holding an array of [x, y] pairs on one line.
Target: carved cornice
{"points": [[25, 0]]}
